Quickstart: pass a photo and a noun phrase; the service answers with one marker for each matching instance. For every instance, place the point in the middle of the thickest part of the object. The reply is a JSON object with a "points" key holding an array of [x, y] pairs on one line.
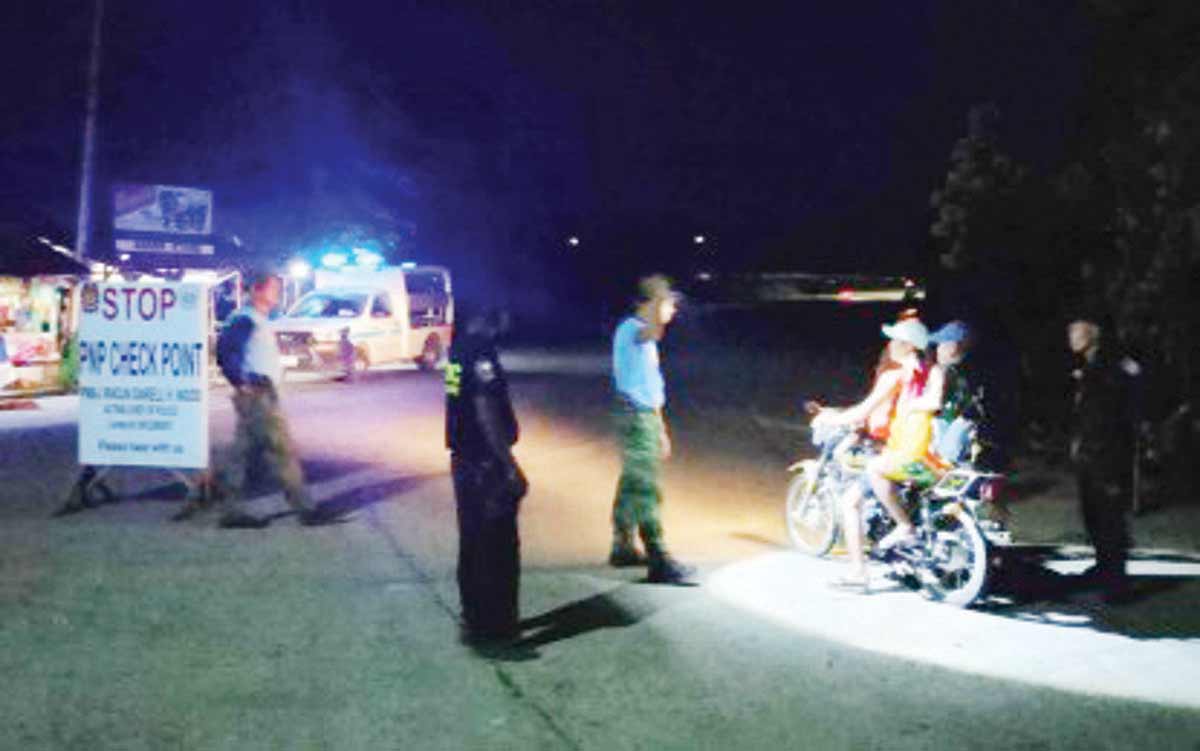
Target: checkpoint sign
{"points": [[143, 375]]}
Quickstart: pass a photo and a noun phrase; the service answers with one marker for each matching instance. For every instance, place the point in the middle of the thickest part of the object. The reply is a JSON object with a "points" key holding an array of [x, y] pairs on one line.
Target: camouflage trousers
{"points": [[261, 432], [638, 496]]}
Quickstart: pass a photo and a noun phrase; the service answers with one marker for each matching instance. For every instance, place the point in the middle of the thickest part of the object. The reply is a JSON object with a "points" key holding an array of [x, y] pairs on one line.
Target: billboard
{"points": [[143, 375], [162, 208]]}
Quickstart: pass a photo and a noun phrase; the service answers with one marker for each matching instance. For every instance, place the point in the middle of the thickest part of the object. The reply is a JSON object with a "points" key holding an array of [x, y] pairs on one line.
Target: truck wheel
{"points": [[431, 353]]}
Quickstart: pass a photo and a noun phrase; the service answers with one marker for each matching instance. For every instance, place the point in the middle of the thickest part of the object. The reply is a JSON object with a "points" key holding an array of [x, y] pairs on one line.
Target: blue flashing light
{"points": [[333, 260], [367, 258], [408, 265]]}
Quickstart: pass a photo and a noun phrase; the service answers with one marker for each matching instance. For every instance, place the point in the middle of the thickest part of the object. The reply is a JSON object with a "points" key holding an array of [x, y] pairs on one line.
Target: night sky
{"points": [[481, 134]]}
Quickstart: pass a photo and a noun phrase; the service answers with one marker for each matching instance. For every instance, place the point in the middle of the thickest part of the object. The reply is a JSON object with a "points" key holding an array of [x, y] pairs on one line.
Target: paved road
{"points": [[123, 630]]}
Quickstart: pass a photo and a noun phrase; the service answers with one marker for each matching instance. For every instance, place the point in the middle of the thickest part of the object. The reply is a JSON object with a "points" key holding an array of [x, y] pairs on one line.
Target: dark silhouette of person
{"points": [[1101, 445], [481, 429]]}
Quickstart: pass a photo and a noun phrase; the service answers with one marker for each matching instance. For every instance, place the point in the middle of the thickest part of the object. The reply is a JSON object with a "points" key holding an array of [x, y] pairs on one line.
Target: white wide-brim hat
{"points": [[909, 330]]}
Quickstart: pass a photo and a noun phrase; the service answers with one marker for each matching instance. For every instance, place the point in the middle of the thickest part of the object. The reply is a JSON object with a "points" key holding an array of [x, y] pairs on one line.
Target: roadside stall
{"points": [[37, 278]]}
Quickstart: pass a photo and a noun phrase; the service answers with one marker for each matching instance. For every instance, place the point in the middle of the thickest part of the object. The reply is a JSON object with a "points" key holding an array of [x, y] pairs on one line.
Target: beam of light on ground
{"points": [[1062, 650]]}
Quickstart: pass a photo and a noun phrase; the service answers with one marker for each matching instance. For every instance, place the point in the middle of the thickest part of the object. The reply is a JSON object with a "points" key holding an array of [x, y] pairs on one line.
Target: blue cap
{"points": [[955, 331]]}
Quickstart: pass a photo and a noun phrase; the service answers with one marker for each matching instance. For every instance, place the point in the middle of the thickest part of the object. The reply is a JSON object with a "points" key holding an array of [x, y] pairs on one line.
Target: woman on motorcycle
{"points": [[879, 419], [917, 388]]}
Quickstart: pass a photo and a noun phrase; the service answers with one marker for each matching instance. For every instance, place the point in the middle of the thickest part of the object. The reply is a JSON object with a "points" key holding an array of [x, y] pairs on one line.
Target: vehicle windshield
{"points": [[329, 305]]}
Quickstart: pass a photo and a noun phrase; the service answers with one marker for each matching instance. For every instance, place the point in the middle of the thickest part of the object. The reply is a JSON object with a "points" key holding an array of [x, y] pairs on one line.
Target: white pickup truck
{"points": [[386, 315]]}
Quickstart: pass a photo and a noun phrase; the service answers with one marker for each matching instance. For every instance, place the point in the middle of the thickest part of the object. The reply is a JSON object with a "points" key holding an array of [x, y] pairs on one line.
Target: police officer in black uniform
{"points": [[1101, 446], [481, 429]]}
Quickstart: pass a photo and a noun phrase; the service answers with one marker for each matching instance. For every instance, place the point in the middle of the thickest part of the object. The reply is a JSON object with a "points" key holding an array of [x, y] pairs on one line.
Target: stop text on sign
{"points": [[131, 303]]}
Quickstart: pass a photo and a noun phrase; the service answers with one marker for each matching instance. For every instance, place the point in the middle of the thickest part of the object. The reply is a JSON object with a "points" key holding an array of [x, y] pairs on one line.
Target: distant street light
{"points": [[573, 241], [698, 239]]}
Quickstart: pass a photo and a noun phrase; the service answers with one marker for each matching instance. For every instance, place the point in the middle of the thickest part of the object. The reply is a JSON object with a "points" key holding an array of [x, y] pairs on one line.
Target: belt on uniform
{"points": [[624, 402], [263, 386]]}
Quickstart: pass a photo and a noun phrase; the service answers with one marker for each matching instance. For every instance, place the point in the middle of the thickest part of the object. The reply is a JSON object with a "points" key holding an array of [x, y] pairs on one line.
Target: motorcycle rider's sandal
{"points": [[898, 536]]}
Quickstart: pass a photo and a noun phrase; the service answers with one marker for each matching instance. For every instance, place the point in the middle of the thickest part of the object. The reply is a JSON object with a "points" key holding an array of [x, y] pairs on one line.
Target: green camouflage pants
{"points": [[638, 496], [261, 431]]}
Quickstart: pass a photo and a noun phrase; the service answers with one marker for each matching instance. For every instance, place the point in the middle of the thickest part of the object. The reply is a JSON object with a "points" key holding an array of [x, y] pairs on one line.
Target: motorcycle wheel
{"points": [[810, 513], [956, 571]]}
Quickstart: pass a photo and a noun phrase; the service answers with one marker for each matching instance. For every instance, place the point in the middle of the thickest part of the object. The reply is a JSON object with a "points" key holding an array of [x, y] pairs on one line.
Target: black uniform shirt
{"points": [[479, 414], [1103, 414]]}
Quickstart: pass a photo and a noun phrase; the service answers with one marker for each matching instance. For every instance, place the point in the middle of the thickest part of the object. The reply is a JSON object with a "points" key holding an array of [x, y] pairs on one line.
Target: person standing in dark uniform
{"points": [[481, 429], [1101, 446]]}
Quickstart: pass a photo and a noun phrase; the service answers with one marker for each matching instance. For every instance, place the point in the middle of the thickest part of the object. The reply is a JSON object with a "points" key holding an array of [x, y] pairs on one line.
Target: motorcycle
{"points": [[950, 561], [811, 508]]}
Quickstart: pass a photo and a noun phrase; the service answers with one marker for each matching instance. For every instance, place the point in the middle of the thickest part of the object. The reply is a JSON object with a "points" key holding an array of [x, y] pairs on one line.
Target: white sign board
{"points": [[162, 208], [143, 375]]}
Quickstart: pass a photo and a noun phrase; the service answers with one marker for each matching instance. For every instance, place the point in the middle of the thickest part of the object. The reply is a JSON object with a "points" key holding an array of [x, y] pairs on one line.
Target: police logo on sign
{"points": [[90, 298]]}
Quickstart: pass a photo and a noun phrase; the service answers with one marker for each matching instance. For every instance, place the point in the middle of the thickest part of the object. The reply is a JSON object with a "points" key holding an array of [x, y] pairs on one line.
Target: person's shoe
{"points": [[495, 635], [242, 521], [1097, 572], [1111, 581], [898, 536], [504, 646], [667, 570], [622, 556]]}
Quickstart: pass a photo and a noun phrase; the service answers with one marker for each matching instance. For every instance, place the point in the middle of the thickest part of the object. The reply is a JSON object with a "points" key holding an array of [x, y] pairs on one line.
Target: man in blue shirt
{"points": [[248, 355], [640, 395]]}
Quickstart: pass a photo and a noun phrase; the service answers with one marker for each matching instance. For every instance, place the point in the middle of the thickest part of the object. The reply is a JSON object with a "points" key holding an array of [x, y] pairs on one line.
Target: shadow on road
{"points": [[259, 481], [617, 608], [1149, 606], [356, 499], [334, 510]]}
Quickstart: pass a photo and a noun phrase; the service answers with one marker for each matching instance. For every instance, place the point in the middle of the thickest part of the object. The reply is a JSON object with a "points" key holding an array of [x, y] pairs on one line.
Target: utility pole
{"points": [[83, 227]]}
